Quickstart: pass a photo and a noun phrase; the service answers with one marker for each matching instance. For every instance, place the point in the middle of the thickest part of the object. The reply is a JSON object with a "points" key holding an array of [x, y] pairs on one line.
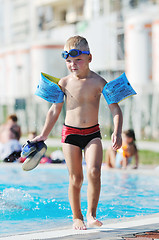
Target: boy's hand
{"points": [[116, 141], [38, 139]]}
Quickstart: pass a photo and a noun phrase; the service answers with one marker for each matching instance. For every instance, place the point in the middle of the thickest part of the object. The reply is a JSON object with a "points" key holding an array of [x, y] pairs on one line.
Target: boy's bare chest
{"points": [[82, 90]]}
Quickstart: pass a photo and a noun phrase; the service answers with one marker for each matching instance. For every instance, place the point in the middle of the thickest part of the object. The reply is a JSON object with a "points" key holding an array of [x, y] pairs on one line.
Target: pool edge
{"points": [[116, 228]]}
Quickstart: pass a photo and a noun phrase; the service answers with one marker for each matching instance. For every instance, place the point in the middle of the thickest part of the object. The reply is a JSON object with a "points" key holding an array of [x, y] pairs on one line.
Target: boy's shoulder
{"points": [[63, 81], [98, 78], [96, 75]]}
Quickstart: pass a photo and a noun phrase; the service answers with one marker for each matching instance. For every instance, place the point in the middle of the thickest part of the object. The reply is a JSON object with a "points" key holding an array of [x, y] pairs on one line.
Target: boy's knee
{"points": [[76, 181], [94, 173]]}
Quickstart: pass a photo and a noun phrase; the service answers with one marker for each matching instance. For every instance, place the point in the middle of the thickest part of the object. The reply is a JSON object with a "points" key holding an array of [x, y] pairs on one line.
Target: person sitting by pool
{"points": [[10, 133], [123, 156]]}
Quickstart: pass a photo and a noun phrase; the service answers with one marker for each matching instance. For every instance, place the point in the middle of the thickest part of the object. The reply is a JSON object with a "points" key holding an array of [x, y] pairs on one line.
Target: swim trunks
{"points": [[80, 136]]}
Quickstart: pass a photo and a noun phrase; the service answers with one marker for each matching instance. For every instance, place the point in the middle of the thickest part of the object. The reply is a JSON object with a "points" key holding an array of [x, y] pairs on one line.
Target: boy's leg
{"points": [[93, 157], [73, 158]]}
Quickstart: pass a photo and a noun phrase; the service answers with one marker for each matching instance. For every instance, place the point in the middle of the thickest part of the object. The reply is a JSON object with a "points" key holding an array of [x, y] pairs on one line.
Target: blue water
{"points": [[38, 199]]}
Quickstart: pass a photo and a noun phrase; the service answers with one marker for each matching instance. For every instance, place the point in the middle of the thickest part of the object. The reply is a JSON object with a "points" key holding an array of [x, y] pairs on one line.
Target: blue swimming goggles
{"points": [[73, 53]]}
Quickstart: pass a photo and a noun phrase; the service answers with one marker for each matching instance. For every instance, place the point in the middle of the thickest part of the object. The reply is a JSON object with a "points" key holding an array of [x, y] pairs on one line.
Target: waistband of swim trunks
{"points": [[81, 131]]}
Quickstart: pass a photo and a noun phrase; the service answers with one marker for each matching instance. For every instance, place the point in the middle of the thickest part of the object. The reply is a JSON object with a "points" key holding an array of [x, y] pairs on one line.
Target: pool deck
{"points": [[125, 228]]}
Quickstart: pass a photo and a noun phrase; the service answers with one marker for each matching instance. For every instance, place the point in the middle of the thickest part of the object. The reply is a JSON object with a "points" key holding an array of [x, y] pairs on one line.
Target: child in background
{"points": [[123, 156]]}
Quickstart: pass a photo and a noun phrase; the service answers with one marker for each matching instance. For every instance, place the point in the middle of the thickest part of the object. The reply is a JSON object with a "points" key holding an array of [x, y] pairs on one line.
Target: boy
{"points": [[82, 88]]}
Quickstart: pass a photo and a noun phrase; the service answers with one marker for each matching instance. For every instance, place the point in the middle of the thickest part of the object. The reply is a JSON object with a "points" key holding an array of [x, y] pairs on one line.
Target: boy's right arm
{"points": [[50, 121], [118, 121]]}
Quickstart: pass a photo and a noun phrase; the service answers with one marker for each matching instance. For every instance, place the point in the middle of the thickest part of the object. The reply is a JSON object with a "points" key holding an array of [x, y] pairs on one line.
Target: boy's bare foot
{"points": [[79, 224], [93, 222]]}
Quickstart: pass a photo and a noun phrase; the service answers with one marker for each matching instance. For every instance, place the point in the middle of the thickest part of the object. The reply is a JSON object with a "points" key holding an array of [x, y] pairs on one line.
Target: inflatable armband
{"points": [[118, 89], [49, 89]]}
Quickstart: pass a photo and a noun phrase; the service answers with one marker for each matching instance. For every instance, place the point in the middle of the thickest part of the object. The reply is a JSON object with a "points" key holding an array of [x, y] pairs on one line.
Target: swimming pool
{"points": [[38, 199]]}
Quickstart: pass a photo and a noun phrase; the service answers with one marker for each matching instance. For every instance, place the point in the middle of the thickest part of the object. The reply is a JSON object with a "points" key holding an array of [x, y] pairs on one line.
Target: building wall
{"points": [[123, 36], [138, 43], [32, 26], [46, 58], [155, 50]]}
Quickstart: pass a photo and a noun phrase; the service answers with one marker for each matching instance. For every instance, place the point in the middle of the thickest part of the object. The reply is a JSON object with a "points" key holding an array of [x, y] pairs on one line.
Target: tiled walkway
{"points": [[151, 235]]}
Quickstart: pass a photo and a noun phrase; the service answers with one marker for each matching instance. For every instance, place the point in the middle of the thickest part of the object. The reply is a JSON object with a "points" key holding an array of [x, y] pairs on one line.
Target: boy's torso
{"points": [[82, 100]]}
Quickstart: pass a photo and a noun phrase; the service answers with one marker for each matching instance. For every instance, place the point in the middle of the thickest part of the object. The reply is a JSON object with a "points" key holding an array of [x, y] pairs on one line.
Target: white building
{"points": [[123, 36], [33, 35]]}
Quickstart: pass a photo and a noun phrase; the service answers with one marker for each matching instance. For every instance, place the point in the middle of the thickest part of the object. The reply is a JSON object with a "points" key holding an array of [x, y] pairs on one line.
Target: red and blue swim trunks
{"points": [[80, 136]]}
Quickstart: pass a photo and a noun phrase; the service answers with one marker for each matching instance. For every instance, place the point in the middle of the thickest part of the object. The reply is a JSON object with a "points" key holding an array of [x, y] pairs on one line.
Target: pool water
{"points": [[38, 199]]}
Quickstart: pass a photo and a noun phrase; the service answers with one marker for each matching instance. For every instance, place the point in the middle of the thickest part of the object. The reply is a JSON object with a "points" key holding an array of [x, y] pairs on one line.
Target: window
{"points": [[133, 3], [120, 48]]}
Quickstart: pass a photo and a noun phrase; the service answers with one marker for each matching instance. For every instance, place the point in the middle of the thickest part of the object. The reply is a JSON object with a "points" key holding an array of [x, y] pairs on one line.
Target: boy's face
{"points": [[79, 64]]}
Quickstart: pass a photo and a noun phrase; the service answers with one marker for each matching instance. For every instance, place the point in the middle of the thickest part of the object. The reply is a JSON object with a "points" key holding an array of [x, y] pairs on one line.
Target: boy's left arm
{"points": [[118, 121]]}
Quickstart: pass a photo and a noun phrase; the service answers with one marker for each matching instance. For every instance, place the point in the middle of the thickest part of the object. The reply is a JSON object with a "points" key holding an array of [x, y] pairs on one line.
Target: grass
{"points": [[52, 149], [145, 157], [148, 157]]}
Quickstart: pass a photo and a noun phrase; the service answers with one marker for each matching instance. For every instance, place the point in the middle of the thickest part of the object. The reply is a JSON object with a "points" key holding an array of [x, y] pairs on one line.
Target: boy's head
{"points": [[76, 42], [76, 46]]}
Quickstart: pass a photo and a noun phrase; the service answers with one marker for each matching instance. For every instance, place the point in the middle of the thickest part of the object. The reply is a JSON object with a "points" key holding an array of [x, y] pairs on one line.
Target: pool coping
{"points": [[114, 229]]}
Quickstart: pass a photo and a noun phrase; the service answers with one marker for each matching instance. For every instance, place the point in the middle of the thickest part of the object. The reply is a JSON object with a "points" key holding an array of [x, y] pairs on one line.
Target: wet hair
{"points": [[77, 42], [13, 117], [130, 133]]}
